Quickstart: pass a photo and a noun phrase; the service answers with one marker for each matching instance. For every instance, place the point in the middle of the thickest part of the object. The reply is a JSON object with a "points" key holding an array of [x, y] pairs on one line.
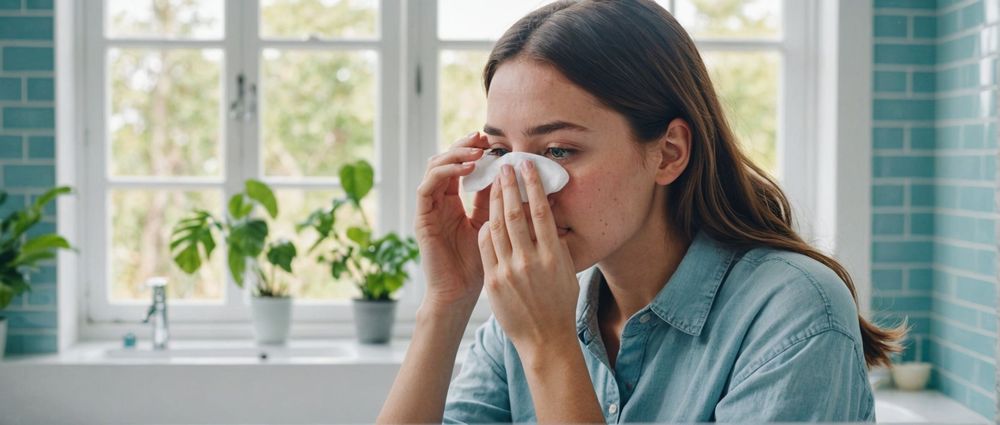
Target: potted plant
{"points": [[246, 237], [376, 265], [20, 254]]}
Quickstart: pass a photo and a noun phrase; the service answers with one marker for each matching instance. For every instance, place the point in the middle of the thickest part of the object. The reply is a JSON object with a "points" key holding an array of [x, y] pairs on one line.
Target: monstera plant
{"points": [[246, 237], [376, 265]]}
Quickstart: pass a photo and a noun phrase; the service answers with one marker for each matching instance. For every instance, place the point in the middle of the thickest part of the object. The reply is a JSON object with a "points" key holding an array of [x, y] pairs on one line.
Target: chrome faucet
{"points": [[158, 312]]}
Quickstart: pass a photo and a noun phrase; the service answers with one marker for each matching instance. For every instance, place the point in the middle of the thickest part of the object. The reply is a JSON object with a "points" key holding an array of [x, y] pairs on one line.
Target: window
{"points": [[198, 95], [753, 49], [743, 44]]}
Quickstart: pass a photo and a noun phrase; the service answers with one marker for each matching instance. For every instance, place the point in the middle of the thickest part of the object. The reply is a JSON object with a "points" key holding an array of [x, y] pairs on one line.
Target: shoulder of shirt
{"points": [[787, 284]]}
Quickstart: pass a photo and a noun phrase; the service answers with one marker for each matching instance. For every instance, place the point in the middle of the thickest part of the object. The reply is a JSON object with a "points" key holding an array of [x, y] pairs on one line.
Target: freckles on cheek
{"points": [[598, 200], [586, 198], [594, 187]]}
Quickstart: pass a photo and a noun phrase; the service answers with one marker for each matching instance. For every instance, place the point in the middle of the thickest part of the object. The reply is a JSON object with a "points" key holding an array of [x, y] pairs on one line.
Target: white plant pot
{"points": [[373, 320], [3, 335], [272, 319], [911, 376]]}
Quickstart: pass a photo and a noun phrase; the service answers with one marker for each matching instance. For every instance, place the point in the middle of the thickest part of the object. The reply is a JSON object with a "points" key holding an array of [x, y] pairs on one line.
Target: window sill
{"points": [[243, 330]]}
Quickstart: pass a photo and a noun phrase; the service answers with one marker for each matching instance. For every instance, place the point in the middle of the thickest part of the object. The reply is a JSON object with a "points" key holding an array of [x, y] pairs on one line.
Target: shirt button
{"points": [[613, 408], [644, 318]]}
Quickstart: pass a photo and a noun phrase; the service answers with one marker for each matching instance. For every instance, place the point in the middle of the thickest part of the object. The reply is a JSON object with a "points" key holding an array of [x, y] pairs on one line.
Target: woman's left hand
{"points": [[532, 285]]}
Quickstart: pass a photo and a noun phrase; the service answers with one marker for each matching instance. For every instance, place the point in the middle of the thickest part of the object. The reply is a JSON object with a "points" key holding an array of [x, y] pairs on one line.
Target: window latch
{"points": [[237, 108]]}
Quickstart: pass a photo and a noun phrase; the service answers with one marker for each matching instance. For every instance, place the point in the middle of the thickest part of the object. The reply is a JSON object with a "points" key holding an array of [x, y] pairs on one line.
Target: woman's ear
{"points": [[674, 149]]}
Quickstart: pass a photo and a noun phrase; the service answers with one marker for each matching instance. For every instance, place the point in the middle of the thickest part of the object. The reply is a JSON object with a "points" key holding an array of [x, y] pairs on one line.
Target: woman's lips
{"points": [[560, 230]]}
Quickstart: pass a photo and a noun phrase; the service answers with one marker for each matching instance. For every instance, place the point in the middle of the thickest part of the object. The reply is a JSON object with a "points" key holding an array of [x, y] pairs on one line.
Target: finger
{"points": [[486, 253], [454, 155], [541, 212], [473, 139], [498, 229], [435, 184], [481, 208], [514, 213], [469, 148]]}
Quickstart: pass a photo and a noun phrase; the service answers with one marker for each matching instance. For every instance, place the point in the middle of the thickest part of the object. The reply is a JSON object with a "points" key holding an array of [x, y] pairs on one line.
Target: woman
{"points": [[697, 300]]}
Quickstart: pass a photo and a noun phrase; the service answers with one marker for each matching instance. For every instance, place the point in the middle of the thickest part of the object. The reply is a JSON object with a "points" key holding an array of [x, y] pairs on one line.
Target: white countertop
{"points": [[329, 360], [897, 406]]}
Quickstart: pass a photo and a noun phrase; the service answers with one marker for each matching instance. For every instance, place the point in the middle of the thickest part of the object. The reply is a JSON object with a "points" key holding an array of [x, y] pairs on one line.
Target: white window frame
{"points": [[241, 55], [409, 46]]}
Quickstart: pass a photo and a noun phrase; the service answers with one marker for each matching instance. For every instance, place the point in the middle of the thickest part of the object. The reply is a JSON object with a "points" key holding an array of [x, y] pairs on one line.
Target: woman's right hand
{"points": [[448, 239]]}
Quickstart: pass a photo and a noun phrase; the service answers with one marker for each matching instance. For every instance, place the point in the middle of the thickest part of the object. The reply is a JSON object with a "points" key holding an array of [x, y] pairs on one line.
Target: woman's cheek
{"points": [[574, 189], [589, 186]]}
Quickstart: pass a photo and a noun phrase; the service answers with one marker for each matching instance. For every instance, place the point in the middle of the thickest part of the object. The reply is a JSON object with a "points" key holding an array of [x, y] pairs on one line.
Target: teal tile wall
{"points": [[934, 139], [27, 154], [934, 197]]}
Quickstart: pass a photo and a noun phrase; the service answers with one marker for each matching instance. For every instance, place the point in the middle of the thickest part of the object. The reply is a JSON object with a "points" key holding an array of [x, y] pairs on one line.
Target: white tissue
{"points": [[554, 177]]}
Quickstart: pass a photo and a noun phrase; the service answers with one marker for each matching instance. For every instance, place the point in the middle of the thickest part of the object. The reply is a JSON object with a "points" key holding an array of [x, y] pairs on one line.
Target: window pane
{"points": [[319, 19], [481, 19], [171, 19], [318, 111], [165, 112], [747, 84], [310, 280], [140, 226], [730, 18], [462, 98], [461, 95]]}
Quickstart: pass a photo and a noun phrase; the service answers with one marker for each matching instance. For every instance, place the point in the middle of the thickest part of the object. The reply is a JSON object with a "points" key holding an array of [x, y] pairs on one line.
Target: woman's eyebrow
{"points": [[538, 130]]}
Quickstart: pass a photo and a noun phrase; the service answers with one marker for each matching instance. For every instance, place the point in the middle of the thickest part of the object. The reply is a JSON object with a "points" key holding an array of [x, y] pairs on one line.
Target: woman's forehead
{"points": [[527, 79], [525, 93]]}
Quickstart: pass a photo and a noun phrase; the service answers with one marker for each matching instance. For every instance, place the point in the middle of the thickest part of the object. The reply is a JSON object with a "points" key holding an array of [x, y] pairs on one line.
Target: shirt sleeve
{"points": [[479, 393], [816, 378]]}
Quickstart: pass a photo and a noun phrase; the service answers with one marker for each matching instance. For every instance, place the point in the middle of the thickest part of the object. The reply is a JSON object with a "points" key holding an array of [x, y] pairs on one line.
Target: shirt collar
{"points": [[685, 301]]}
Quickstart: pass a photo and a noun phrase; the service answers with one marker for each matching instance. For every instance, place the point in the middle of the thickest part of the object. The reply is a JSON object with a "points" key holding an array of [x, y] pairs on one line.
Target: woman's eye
{"points": [[556, 153], [497, 152], [560, 153]]}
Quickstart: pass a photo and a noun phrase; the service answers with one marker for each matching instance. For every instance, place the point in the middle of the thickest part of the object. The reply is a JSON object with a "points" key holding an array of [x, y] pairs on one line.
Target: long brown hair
{"points": [[635, 58]]}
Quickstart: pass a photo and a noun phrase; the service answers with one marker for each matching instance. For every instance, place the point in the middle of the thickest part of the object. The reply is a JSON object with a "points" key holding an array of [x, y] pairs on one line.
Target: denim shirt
{"points": [[752, 336]]}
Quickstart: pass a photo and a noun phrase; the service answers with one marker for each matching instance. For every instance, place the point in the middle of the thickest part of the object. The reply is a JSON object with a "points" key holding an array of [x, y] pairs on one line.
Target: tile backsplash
{"points": [[27, 154], [934, 195]]}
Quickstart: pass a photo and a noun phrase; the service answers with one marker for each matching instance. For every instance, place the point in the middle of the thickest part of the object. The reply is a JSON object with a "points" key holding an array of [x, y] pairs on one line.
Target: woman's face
{"points": [[533, 108]]}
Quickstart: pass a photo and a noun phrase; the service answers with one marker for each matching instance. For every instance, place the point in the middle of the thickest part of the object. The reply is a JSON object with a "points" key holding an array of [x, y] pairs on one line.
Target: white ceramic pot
{"points": [[3, 335], [373, 320], [272, 319], [911, 376]]}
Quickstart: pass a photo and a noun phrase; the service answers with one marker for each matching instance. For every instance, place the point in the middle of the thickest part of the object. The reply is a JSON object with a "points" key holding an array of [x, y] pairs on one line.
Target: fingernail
{"points": [[507, 170], [528, 165], [467, 136]]}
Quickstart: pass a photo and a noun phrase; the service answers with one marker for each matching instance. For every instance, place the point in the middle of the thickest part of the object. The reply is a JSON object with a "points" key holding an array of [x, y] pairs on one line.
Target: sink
{"points": [[242, 350]]}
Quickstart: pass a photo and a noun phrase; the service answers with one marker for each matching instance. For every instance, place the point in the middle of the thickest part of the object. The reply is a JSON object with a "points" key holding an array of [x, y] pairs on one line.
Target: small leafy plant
{"points": [[20, 255], [377, 266], [246, 236]]}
